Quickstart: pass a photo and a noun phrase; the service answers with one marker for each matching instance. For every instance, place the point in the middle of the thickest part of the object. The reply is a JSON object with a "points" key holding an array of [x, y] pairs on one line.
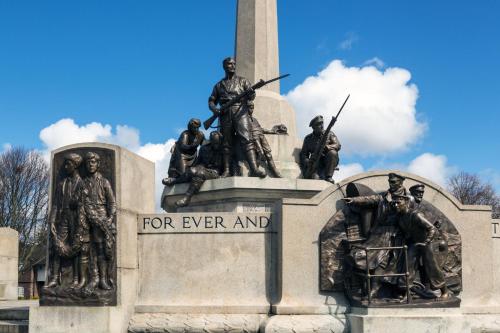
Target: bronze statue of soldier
{"points": [[262, 146], [64, 220], [98, 234], [235, 122], [328, 157], [209, 165], [185, 149], [417, 191], [420, 233]]}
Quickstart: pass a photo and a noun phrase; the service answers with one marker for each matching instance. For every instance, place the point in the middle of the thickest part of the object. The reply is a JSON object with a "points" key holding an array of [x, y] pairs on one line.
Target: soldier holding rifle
{"points": [[235, 95], [319, 156]]}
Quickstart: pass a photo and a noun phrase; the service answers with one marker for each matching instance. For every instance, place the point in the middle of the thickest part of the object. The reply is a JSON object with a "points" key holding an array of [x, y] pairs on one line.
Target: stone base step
{"points": [[232, 323], [183, 323]]}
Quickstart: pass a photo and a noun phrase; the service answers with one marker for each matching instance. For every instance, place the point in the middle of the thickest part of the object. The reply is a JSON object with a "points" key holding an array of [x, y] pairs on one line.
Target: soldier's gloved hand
{"points": [[216, 111]]}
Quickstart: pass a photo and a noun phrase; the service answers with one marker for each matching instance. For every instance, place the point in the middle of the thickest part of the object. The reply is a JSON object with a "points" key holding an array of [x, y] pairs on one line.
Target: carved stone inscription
{"points": [[206, 223], [82, 229]]}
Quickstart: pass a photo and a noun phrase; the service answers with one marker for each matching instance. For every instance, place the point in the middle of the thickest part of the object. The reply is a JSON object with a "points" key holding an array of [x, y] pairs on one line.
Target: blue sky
{"points": [[150, 65]]}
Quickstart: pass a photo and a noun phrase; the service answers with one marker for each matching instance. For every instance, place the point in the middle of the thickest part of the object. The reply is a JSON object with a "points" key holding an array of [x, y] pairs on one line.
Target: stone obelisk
{"points": [[257, 58]]}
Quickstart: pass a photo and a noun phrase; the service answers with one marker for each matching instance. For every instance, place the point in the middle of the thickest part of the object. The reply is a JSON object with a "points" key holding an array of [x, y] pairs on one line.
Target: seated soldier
{"points": [[185, 148], [328, 157], [208, 166]]}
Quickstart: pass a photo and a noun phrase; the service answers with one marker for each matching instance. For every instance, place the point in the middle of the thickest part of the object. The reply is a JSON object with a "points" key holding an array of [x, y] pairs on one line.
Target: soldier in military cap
{"points": [[63, 220], [417, 191], [329, 157]]}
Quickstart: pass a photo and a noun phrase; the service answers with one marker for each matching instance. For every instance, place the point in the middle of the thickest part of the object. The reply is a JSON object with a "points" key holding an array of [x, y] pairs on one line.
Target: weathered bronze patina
{"points": [[319, 155], [208, 166], [391, 249], [82, 239], [185, 149]]}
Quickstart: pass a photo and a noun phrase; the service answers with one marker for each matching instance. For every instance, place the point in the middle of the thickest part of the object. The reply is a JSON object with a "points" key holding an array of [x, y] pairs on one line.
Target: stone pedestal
{"points": [[9, 254], [134, 177], [257, 58]]}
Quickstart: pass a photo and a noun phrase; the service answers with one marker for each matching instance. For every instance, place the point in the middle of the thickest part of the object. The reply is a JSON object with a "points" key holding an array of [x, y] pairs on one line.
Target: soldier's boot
{"points": [[272, 166], [193, 188], [331, 162], [445, 293], [94, 279], [168, 181], [255, 171], [75, 273], [330, 179], [103, 274], [226, 163], [55, 273], [84, 272]]}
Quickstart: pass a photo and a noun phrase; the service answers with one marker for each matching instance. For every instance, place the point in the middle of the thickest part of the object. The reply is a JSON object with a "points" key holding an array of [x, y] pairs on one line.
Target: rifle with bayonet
{"points": [[313, 163], [244, 95]]}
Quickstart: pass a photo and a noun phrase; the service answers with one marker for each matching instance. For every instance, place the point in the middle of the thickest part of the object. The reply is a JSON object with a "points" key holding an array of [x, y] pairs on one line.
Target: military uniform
{"points": [[235, 120], [64, 218], [98, 228], [329, 158], [262, 146], [208, 166], [184, 150], [418, 230]]}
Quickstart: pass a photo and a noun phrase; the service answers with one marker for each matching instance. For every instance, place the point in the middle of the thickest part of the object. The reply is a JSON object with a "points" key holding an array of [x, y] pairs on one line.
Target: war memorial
{"points": [[256, 235]]}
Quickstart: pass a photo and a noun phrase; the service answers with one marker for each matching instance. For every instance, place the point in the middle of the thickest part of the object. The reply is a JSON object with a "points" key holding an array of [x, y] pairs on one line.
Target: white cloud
{"points": [[375, 61], [433, 167], [347, 170], [378, 119], [66, 131], [159, 153], [347, 43]]}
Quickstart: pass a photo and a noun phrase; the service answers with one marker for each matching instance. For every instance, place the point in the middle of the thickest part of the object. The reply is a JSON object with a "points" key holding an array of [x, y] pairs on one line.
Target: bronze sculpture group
{"points": [[82, 232], [240, 137], [391, 248], [380, 248]]}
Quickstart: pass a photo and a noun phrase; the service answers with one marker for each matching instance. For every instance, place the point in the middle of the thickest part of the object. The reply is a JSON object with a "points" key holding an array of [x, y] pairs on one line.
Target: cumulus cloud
{"points": [[433, 167], [66, 131], [347, 170], [380, 116]]}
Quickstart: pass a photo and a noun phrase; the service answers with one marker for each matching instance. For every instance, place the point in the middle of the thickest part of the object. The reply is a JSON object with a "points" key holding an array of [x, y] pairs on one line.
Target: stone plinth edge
{"points": [[9, 257]]}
